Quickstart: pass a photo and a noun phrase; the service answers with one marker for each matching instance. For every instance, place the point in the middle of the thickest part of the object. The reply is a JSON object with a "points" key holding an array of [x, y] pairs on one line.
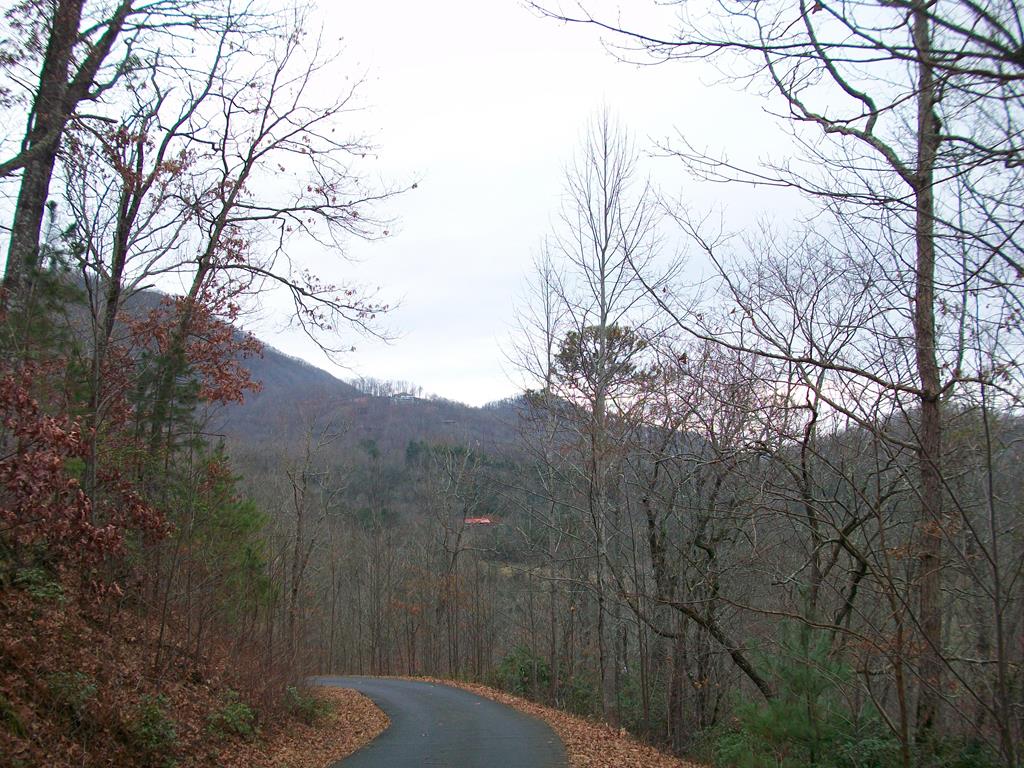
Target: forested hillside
{"points": [[295, 396], [142, 611]]}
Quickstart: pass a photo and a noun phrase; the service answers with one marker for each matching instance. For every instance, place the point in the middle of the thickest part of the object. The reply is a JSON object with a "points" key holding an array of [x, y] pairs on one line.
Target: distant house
{"points": [[404, 397]]}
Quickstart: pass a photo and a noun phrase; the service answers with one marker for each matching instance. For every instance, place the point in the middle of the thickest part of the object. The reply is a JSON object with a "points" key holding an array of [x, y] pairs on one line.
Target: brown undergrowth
{"points": [[77, 688], [351, 722], [587, 744]]}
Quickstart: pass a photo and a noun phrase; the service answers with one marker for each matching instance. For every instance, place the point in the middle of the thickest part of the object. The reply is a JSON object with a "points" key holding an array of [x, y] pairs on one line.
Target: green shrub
{"points": [[806, 723], [302, 705], [151, 730], [39, 583], [235, 717], [736, 748], [962, 753], [631, 704], [578, 695], [867, 744], [9, 719], [72, 692], [516, 672]]}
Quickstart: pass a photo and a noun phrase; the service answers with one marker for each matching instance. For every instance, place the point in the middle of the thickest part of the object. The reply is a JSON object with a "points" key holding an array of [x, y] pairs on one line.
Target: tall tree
{"points": [[902, 110], [607, 227], [74, 69]]}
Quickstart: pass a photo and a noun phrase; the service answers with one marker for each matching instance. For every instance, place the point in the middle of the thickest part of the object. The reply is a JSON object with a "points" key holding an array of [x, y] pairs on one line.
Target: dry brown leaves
{"points": [[353, 722], [71, 678], [587, 744]]}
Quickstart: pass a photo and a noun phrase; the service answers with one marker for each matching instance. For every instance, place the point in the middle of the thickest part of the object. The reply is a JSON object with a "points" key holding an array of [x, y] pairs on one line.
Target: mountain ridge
{"points": [[297, 397]]}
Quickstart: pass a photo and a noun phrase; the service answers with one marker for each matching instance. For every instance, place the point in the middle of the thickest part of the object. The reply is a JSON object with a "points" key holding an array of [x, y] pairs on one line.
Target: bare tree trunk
{"points": [[1004, 696], [930, 438], [595, 500], [675, 720], [552, 624], [58, 94], [47, 123]]}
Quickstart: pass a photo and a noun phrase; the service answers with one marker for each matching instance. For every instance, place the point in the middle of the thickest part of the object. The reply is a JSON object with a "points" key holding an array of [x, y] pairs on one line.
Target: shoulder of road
{"points": [[587, 744]]}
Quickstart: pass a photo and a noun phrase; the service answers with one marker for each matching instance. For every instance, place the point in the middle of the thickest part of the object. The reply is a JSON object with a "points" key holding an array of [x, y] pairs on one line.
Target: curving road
{"points": [[435, 725]]}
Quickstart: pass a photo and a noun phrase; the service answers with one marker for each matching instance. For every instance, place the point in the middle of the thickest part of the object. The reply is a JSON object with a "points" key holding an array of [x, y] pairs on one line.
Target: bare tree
{"points": [[901, 110], [75, 69], [239, 136], [586, 356]]}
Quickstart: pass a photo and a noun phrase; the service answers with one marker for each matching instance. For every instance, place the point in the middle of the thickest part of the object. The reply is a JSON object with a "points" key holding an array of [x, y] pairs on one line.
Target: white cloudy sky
{"points": [[484, 103]]}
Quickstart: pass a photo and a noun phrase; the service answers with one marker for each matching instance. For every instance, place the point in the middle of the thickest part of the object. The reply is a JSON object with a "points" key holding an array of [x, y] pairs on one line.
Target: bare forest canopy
{"points": [[762, 507]]}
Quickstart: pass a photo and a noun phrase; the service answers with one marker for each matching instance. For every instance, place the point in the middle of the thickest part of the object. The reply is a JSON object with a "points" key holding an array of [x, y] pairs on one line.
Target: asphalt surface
{"points": [[435, 725]]}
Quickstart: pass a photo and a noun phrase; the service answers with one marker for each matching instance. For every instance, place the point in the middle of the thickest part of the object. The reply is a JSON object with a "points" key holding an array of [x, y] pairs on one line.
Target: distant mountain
{"points": [[281, 374], [293, 391], [297, 396]]}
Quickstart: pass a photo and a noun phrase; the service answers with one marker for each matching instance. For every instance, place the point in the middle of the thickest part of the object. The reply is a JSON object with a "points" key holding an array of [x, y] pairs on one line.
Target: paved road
{"points": [[435, 725]]}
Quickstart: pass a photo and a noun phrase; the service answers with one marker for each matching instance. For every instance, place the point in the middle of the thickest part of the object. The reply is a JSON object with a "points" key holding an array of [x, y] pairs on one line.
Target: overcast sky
{"points": [[484, 103]]}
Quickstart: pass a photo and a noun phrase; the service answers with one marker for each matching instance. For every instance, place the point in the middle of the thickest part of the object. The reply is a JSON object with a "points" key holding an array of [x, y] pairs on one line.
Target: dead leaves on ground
{"points": [[352, 722], [77, 689]]}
